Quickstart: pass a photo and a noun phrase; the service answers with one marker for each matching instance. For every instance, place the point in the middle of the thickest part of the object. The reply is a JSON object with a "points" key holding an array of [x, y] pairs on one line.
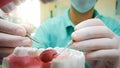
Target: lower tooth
{"points": [[21, 51], [71, 59]]}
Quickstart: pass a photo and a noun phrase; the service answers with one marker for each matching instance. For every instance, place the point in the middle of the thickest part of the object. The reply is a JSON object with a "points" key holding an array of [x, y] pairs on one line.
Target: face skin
{"points": [[77, 17]]}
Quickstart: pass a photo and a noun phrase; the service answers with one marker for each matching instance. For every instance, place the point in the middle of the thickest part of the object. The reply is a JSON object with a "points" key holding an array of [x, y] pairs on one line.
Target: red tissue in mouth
{"points": [[48, 55]]}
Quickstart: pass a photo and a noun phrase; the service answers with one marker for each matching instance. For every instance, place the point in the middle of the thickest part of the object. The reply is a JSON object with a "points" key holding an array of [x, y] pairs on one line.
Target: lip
{"points": [[27, 57], [25, 62]]}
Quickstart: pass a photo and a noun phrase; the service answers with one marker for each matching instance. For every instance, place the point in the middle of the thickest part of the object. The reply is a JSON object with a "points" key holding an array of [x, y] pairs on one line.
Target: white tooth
{"points": [[40, 51], [49, 48], [33, 52], [21, 51], [72, 59], [16, 50]]}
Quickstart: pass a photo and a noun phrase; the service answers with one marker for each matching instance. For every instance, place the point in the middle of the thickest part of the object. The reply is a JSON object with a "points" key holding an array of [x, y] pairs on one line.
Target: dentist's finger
{"points": [[95, 44], [103, 54], [92, 33], [89, 23], [7, 40], [11, 28]]}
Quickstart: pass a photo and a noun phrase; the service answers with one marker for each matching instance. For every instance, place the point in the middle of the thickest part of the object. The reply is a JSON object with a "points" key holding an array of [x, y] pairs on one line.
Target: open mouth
{"points": [[27, 57]]}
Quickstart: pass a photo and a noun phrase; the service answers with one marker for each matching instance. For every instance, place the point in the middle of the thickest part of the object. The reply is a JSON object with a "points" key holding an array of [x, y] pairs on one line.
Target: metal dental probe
{"points": [[69, 43], [33, 39]]}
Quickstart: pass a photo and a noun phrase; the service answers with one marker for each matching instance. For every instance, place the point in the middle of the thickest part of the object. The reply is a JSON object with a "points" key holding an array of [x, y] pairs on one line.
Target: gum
{"points": [[63, 60]]}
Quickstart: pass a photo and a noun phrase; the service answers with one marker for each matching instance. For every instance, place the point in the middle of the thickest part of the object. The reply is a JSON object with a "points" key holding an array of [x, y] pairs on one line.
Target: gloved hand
{"points": [[101, 45], [46, 1], [18, 2], [8, 5], [12, 35]]}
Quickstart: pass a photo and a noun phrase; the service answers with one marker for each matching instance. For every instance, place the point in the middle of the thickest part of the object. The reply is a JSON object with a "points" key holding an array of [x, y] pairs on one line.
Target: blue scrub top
{"points": [[56, 32]]}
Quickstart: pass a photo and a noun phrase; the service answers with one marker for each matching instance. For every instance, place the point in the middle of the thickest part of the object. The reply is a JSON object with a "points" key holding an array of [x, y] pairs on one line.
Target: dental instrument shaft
{"points": [[69, 43], [33, 39]]}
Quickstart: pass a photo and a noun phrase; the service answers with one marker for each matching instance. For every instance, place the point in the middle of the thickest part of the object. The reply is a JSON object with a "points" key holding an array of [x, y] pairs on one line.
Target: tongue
{"points": [[48, 55]]}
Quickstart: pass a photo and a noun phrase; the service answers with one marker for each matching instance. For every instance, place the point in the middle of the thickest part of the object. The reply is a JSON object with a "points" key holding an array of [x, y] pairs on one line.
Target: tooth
{"points": [[40, 51], [16, 50], [33, 52], [49, 48], [21, 51], [69, 59]]}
